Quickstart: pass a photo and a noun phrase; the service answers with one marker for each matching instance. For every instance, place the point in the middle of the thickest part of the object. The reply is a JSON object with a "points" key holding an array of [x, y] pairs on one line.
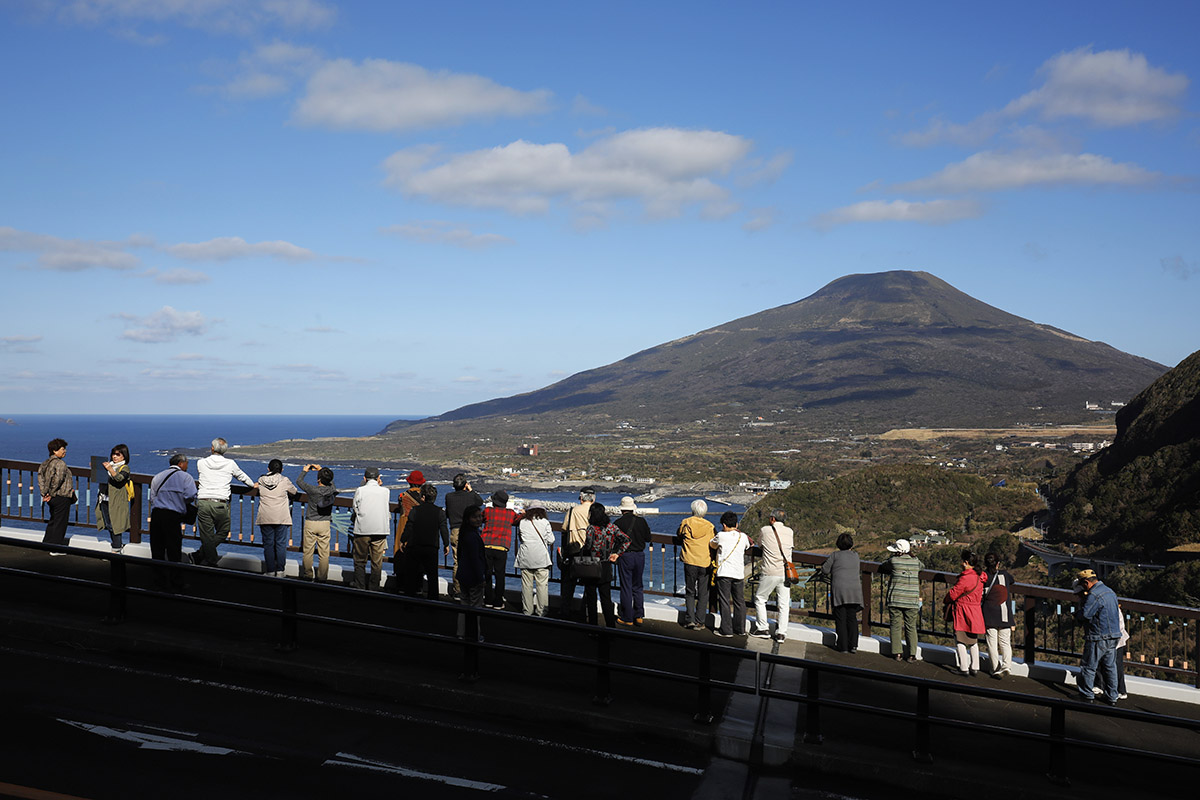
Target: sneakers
{"points": [[723, 635], [1096, 690], [761, 633], [779, 637], [1122, 696]]}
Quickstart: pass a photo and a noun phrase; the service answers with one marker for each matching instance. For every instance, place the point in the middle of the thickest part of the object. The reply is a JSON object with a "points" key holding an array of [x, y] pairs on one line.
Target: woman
{"points": [[963, 603], [114, 497], [472, 578], [275, 492], [605, 541], [997, 615], [730, 557], [534, 537], [842, 569]]}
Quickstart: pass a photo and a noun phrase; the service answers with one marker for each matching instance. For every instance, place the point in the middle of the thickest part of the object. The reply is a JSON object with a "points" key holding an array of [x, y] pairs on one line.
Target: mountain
{"points": [[891, 349], [1141, 495]]}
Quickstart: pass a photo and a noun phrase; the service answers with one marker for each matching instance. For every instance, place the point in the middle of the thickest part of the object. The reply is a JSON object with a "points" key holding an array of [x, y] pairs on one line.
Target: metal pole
{"points": [[812, 724], [704, 713], [1030, 630], [1058, 746], [922, 751]]}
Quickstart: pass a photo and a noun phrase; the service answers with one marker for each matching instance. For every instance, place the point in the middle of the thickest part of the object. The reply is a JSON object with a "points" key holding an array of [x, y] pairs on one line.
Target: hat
{"points": [[901, 546], [532, 504], [1088, 575], [627, 504], [416, 478], [371, 473]]}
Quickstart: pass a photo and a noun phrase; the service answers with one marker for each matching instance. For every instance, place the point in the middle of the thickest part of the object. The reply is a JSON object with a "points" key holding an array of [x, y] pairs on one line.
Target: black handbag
{"points": [[588, 568]]}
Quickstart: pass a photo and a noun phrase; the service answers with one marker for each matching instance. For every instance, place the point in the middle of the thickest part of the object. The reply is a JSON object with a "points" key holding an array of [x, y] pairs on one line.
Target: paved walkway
{"points": [[753, 748]]}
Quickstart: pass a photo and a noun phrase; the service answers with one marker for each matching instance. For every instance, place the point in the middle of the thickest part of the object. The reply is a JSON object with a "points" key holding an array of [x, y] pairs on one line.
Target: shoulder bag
{"points": [[790, 576]]}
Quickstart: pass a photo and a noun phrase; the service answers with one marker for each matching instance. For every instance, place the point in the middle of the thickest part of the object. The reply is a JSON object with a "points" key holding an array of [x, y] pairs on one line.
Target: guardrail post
{"points": [[470, 637], [116, 594], [704, 713], [603, 694], [866, 591], [922, 751], [1030, 630], [812, 722], [287, 637], [135, 515], [1058, 746]]}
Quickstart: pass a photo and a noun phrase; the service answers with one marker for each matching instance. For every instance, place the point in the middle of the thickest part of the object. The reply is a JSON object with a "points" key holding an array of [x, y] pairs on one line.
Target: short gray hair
{"points": [[587, 494], [778, 514], [219, 446], [699, 508]]}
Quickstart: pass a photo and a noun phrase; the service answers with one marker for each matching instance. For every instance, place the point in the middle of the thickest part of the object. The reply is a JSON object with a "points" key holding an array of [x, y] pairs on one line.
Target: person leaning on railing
{"points": [[844, 570], [58, 491], [903, 598], [776, 541], [212, 508], [318, 513], [170, 493]]}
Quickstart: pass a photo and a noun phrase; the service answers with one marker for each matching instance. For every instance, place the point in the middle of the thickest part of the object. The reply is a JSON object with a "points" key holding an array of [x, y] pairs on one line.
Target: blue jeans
{"points": [[275, 542], [630, 568], [1099, 655]]}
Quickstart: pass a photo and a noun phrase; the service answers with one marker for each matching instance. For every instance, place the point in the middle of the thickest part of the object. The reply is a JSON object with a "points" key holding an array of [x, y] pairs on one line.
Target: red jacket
{"points": [[497, 526], [967, 596]]}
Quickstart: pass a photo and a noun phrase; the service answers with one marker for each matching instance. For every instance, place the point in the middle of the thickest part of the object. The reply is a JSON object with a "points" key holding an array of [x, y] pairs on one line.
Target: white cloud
{"points": [[1110, 88], [467, 379], [164, 325], [271, 69], [439, 232], [231, 247], [759, 171], [381, 95], [760, 220], [67, 255], [1177, 266], [19, 344], [321, 329], [993, 170], [222, 16], [932, 212], [663, 169], [582, 106]]}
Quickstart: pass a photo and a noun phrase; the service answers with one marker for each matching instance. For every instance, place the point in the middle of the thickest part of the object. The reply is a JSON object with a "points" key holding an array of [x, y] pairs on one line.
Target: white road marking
{"points": [[645, 762], [152, 741], [351, 760]]}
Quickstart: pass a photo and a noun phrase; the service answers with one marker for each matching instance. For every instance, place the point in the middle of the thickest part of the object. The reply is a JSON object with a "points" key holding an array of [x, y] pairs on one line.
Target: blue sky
{"points": [[299, 206]]}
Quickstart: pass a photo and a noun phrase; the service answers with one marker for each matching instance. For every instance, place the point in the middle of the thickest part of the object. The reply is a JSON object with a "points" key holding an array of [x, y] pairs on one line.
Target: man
{"points": [[458, 501], [631, 566], [498, 522], [409, 499], [170, 492], [903, 599], [695, 533], [372, 518], [1102, 618], [212, 507], [776, 541], [426, 526], [318, 513], [57, 486], [574, 532]]}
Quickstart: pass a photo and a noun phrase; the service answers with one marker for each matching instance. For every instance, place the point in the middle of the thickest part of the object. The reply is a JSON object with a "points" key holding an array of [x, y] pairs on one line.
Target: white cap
{"points": [[901, 546], [627, 504]]}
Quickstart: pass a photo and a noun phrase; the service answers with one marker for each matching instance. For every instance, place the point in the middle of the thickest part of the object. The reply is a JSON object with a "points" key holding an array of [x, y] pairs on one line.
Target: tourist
{"points": [[574, 531], [731, 546], [372, 519], [534, 538], [472, 565], [694, 534], [498, 522], [845, 578], [57, 486], [425, 531], [631, 566], [114, 496], [458, 501], [776, 541], [903, 598], [172, 491], [212, 508], [318, 513], [606, 542], [998, 615], [275, 494], [1101, 616], [963, 602], [409, 499]]}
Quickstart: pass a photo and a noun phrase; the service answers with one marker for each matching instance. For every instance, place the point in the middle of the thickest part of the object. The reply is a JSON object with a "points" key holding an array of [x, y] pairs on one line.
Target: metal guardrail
{"points": [[1164, 639], [607, 662]]}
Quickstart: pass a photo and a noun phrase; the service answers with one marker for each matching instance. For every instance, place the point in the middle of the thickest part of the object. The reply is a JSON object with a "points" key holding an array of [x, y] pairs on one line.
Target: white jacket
{"points": [[372, 516], [216, 473]]}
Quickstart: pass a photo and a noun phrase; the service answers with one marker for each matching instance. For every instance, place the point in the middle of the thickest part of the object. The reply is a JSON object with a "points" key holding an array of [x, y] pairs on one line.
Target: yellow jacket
{"points": [[697, 532]]}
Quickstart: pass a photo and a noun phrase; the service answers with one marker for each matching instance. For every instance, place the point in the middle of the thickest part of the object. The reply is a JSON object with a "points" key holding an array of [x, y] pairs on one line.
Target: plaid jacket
{"points": [[497, 527]]}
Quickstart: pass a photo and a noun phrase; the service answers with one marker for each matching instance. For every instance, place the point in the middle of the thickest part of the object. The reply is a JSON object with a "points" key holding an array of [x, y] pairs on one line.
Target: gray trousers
{"points": [[904, 626]]}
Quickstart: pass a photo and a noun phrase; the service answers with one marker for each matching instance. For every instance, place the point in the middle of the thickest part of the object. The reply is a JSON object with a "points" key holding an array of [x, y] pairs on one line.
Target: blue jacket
{"points": [[1101, 614]]}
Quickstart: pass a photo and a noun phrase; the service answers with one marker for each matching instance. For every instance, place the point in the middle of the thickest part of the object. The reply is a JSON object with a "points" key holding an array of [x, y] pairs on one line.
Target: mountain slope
{"points": [[1141, 495], [879, 350]]}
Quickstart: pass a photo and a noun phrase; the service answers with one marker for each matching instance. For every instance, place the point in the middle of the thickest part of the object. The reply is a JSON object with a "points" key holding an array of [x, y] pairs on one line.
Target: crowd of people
{"points": [[478, 536]]}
